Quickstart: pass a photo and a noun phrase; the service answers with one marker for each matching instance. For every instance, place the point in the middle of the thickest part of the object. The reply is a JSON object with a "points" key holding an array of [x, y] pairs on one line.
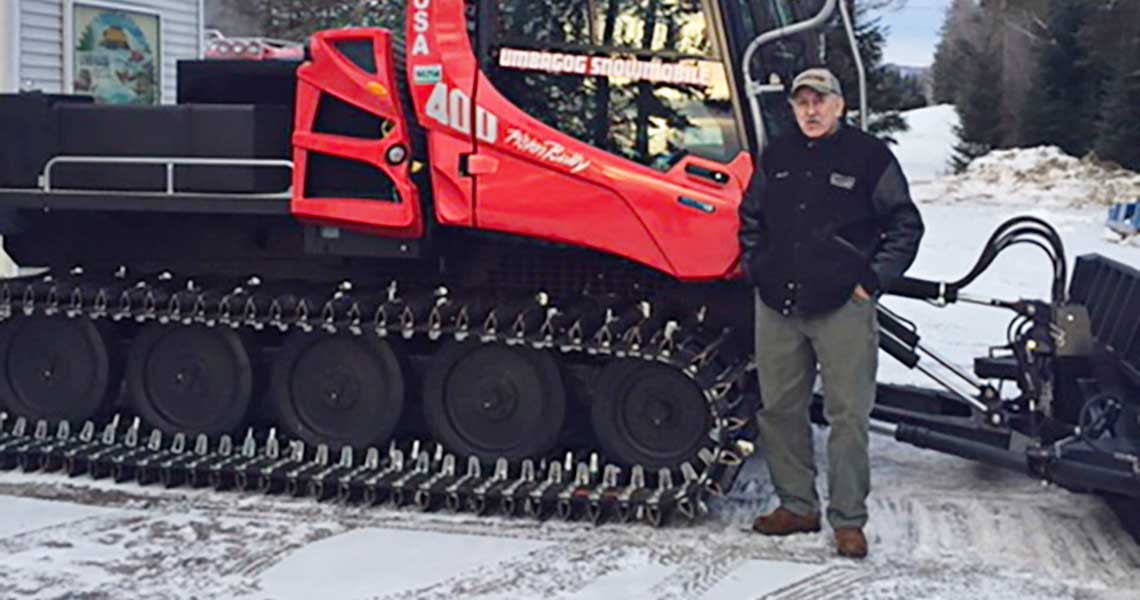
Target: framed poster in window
{"points": [[114, 52]]}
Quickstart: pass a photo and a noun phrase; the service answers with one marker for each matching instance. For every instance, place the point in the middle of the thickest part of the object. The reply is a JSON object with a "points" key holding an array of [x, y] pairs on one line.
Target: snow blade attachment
{"points": [[1075, 361], [1111, 292]]}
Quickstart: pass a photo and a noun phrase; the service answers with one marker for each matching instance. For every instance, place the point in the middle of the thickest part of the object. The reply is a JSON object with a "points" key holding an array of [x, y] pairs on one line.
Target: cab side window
{"points": [[641, 79]]}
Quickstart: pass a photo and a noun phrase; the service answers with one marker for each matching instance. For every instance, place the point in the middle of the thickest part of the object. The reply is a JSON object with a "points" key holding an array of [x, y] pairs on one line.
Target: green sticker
{"points": [[427, 74]]}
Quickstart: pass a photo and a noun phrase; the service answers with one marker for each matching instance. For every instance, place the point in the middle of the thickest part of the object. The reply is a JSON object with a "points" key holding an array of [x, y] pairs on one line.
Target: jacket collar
{"points": [[824, 142]]}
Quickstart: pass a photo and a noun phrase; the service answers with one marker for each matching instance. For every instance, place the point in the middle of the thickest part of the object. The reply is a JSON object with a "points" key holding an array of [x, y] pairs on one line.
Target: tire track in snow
{"points": [[939, 527], [834, 583], [963, 529]]}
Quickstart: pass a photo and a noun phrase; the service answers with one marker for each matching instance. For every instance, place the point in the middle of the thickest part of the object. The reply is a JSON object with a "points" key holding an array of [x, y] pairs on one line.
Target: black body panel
{"points": [[30, 135], [261, 82], [48, 126]]}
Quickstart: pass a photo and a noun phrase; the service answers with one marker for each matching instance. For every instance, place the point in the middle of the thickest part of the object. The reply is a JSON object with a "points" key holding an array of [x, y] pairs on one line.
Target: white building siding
{"points": [[8, 47], [42, 39]]}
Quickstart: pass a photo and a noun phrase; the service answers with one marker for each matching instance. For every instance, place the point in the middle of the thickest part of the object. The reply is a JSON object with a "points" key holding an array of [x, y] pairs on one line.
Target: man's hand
{"points": [[860, 294]]}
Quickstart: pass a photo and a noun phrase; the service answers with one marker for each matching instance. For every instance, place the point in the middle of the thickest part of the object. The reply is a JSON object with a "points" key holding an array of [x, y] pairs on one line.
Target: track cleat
{"points": [[429, 493], [573, 498], [660, 503], [515, 494], [663, 345], [403, 486], [543, 498], [349, 486], [442, 317], [40, 438], [528, 318], [631, 500], [386, 319], [322, 483], [270, 474], [603, 500], [687, 497], [123, 466], [461, 489], [148, 470], [75, 458], [50, 457], [486, 496], [221, 474], [197, 471], [247, 475], [377, 488], [172, 471], [99, 463], [415, 314], [297, 479], [9, 456]]}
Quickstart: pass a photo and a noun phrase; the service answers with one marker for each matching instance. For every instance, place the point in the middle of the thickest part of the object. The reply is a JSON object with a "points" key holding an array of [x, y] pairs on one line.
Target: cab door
{"points": [[610, 124]]}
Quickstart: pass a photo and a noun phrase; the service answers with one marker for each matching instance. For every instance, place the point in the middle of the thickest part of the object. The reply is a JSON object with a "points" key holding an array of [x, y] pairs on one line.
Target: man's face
{"points": [[818, 114]]}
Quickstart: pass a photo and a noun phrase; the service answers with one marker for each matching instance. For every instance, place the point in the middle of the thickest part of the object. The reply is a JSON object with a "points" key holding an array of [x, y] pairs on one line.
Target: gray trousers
{"points": [[844, 344]]}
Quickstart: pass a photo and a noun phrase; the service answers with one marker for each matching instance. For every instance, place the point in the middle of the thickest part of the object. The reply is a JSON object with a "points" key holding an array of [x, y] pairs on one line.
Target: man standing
{"points": [[827, 223]]}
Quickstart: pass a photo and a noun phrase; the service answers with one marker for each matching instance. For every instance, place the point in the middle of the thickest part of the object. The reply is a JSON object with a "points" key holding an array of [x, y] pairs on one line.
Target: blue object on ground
{"points": [[1124, 218]]}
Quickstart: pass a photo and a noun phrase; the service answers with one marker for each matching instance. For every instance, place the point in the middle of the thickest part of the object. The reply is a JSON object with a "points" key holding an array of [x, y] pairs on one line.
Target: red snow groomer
{"points": [[488, 263]]}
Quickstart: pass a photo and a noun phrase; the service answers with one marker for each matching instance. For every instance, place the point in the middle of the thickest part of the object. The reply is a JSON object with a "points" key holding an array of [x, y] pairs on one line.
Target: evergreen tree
{"points": [[980, 127], [1062, 106], [899, 91], [1020, 38], [1118, 136], [948, 69]]}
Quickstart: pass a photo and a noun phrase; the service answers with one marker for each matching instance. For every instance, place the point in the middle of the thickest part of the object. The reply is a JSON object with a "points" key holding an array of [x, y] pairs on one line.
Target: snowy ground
{"points": [[940, 527], [923, 150]]}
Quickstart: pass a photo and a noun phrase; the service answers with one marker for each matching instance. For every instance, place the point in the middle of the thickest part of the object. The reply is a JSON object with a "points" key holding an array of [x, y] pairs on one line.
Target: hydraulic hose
{"points": [[923, 289], [1019, 230]]}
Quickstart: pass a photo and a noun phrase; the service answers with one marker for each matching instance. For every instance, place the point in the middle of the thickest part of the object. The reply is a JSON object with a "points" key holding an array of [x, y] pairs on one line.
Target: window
{"points": [[639, 78]]}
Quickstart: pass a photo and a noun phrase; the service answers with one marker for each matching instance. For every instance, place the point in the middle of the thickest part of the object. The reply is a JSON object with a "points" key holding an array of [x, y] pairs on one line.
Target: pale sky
{"points": [[914, 32]]}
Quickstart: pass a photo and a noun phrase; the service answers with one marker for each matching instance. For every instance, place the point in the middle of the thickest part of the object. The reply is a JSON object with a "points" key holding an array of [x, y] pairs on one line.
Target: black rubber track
{"points": [[329, 335]]}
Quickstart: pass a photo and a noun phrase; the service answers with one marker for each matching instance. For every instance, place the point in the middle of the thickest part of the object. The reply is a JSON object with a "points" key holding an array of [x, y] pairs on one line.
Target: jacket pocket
{"points": [[849, 247]]}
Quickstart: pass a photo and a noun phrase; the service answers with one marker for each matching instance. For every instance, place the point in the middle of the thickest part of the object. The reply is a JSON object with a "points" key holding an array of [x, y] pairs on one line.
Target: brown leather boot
{"points": [[851, 542], [785, 522]]}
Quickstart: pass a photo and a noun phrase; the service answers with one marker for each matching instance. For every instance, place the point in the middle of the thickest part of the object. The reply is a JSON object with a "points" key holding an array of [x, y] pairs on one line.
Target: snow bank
{"points": [[1042, 177]]}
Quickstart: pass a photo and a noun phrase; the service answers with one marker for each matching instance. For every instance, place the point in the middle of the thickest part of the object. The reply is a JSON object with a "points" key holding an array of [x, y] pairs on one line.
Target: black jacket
{"points": [[821, 216]]}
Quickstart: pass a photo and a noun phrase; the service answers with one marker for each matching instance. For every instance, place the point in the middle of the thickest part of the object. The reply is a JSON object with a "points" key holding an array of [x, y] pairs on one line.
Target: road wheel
{"points": [[494, 401], [649, 414], [340, 390], [192, 380], [54, 369]]}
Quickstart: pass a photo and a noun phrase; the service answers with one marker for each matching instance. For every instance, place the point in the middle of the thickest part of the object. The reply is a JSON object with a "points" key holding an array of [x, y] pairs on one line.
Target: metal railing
{"points": [[754, 89], [170, 163]]}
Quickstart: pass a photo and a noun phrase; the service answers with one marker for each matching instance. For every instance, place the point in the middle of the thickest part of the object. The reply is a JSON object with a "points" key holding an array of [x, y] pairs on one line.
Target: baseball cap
{"points": [[818, 79]]}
